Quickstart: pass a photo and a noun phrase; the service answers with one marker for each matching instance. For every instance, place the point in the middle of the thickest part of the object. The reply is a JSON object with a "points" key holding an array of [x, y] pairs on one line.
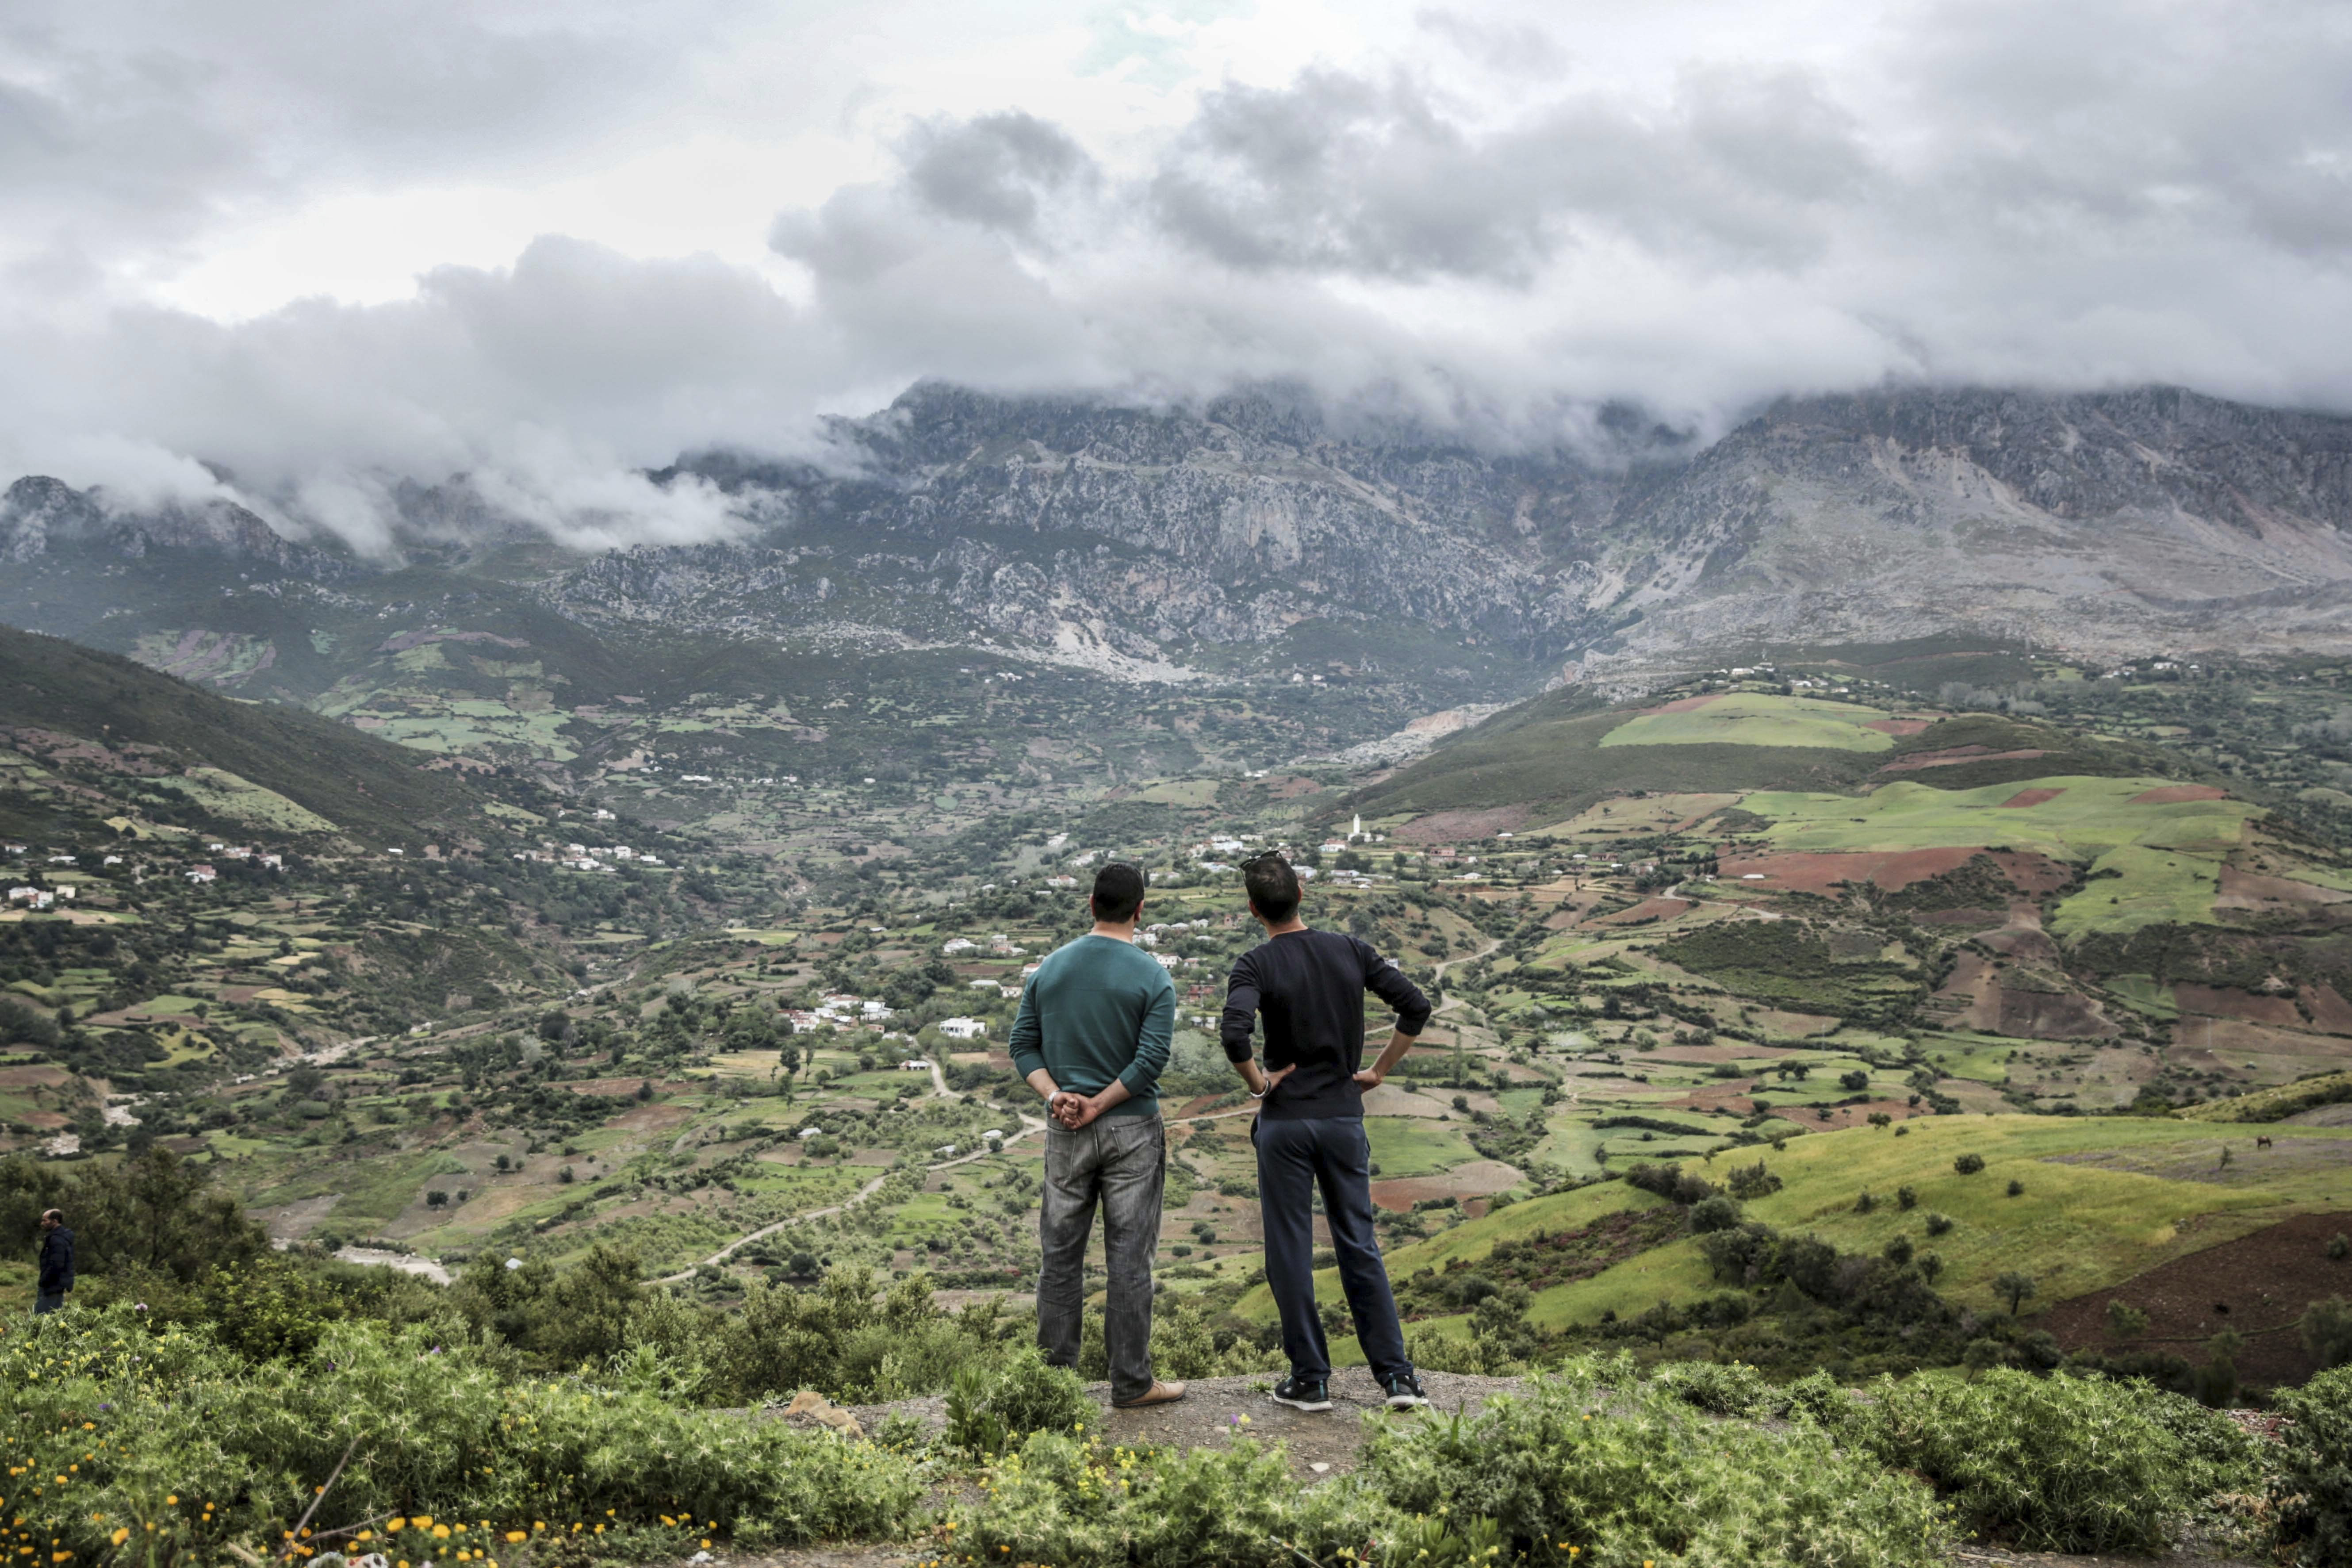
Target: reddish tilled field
{"points": [[1820, 872], [2174, 794], [2257, 1287], [2226, 1002], [1479, 1179], [2025, 798]]}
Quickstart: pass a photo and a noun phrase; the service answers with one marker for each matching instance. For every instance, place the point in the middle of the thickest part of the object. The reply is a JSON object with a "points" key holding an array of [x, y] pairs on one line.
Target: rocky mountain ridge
{"points": [[1146, 542]]}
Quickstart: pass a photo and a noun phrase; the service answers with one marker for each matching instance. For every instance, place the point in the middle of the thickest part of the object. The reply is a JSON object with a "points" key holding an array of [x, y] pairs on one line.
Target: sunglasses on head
{"points": [[1263, 856]]}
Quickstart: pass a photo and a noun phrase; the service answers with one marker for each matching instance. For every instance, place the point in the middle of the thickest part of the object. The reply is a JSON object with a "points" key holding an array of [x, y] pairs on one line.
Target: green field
{"points": [[2088, 815], [1415, 1146], [2135, 886], [2079, 1225], [1747, 719]]}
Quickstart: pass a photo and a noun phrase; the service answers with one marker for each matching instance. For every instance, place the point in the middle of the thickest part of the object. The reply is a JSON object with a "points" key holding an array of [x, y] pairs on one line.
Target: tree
{"points": [[1853, 1082], [436, 1199], [2126, 1322], [2327, 1330], [1969, 1164], [2014, 1288]]}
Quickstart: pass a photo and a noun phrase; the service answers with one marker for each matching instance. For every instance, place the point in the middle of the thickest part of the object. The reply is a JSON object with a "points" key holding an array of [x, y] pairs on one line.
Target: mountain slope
{"points": [[1251, 537], [131, 720]]}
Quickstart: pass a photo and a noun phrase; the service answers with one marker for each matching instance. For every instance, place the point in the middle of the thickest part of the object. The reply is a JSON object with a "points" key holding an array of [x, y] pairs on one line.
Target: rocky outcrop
{"points": [[1135, 539], [2107, 523], [42, 516]]}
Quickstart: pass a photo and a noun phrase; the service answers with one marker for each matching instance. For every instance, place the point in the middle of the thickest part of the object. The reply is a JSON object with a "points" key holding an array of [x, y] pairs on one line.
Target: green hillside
{"points": [[1556, 754], [2103, 1201], [262, 764]]}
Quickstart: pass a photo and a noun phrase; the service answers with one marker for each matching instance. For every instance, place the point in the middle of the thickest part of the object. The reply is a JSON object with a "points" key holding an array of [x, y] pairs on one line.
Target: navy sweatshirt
{"points": [[1309, 986]]}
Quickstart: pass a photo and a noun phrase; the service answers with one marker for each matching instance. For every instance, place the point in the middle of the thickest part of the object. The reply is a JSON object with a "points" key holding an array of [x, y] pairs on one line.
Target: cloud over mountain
{"points": [[1490, 220]]}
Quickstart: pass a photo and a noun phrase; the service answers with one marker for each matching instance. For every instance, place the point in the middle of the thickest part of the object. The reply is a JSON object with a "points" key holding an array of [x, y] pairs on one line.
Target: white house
{"points": [[962, 1028], [955, 944], [202, 874], [914, 1064]]}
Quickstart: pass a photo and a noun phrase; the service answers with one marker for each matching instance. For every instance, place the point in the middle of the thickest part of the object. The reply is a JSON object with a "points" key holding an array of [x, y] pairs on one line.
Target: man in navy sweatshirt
{"points": [[1308, 986]]}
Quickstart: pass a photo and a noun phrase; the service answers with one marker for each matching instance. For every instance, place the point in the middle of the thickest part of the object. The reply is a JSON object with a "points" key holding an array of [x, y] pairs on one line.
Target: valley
{"points": [[1837, 920]]}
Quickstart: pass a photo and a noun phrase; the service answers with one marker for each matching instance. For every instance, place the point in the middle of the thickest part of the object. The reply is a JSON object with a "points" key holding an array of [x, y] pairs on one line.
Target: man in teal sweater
{"points": [[1091, 1038]]}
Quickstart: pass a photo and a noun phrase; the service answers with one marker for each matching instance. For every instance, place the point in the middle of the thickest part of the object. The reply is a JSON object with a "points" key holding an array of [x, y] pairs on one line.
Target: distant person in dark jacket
{"points": [[1308, 985], [56, 1263]]}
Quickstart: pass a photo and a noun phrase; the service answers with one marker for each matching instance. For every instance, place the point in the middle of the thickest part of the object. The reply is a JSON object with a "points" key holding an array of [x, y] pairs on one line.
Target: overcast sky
{"points": [[544, 241]]}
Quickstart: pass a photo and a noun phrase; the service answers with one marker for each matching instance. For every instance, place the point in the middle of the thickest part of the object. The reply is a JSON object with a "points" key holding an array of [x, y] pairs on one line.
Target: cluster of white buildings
{"points": [[999, 945], [581, 858], [838, 1010], [39, 898]]}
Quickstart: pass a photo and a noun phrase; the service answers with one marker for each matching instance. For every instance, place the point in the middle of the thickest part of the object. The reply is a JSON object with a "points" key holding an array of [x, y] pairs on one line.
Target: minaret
{"points": [[1356, 829]]}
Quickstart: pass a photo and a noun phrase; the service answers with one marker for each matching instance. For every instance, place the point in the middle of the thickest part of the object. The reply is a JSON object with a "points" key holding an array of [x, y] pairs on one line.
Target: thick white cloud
{"points": [[1494, 215]]}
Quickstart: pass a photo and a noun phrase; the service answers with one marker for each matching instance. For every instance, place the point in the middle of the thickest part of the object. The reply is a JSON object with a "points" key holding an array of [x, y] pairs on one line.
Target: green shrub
{"points": [[1627, 1472], [2313, 1486], [1063, 1497], [1939, 1223], [151, 1418], [2327, 1329], [993, 1408], [1717, 1213], [2057, 1463], [1969, 1164], [1821, 1399], [1720, 1388]]}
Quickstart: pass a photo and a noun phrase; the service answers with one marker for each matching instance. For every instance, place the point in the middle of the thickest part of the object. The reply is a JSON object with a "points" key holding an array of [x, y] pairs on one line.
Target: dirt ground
{"points": [[2257, 1287], [1219, 1409]]}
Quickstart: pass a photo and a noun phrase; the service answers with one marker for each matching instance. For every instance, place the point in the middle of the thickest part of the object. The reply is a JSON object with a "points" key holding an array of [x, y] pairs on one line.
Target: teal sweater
{"points": [[1096, 1010]]}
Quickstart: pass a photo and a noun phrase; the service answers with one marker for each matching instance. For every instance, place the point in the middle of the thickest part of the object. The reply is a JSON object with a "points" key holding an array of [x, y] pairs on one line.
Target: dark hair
{"points": [[1273, 886], [1119, 892]]}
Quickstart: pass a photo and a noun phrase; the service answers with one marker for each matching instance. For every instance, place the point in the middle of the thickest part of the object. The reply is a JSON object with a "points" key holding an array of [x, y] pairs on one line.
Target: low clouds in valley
{"points": [[306, 255]]}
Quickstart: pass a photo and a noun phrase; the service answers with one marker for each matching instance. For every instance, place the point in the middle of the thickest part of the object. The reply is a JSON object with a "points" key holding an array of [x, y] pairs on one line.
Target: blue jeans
{"points": [[1121, 1163], [1294, 1158], [49, 1301]]}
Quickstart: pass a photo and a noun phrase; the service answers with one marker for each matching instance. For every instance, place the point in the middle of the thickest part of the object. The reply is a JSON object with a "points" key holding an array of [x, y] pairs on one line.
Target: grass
{"points": [[2076, 1228], [1476, 1238], [1747, 719], [1547, 753], [224, 793], [2090, 815], [2134, 886], [1414, 1146]]}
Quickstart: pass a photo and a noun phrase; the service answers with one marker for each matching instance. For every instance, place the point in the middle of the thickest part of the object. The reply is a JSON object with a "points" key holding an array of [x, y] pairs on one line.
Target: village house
{"points": [[202, 874], [962, 1028]]}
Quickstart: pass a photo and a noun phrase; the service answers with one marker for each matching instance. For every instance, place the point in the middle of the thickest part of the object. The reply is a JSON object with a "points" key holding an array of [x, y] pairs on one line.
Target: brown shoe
{"points": [[1158, 1394]]}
